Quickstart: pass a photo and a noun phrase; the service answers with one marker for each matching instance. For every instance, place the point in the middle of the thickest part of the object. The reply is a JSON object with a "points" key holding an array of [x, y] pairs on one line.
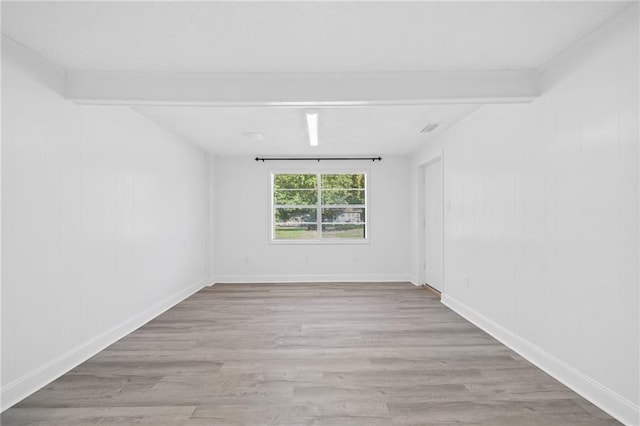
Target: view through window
{"points": [[319, 206]]}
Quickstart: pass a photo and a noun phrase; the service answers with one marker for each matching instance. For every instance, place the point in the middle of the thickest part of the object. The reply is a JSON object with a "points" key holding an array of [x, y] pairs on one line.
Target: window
{"points": [[319, 206]]}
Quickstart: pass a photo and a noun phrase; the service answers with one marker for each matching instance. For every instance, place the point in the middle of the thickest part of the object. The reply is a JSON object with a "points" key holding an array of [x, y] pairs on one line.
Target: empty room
{"points": [[320, 213]]}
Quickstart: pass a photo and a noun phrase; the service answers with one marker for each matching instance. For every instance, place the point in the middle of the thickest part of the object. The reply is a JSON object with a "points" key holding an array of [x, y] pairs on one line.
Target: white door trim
{"points": [[421, 185]]}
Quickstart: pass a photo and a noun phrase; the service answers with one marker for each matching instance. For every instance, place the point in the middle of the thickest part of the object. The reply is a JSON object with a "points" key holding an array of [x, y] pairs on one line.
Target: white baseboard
{"points": [[617, 406], [24, 386], [310, 278]]}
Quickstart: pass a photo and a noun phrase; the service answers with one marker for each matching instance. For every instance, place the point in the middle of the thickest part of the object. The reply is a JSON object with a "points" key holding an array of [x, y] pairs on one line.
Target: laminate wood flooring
{"points": [[307, 354]]}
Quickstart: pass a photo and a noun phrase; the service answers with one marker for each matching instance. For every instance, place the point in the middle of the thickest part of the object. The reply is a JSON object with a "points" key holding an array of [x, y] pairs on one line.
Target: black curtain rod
{"points": [[263, 159]]}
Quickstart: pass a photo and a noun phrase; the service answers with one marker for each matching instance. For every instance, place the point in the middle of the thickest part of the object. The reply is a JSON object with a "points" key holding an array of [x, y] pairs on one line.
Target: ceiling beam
{"points": [[299, 89]]}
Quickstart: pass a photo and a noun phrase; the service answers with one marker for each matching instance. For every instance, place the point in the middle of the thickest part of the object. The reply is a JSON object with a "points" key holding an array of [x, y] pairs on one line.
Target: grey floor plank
{"points": [[307, 354]]}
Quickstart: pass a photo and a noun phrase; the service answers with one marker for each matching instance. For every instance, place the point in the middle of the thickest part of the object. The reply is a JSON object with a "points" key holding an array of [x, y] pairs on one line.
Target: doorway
{"points": [[433, 224]]}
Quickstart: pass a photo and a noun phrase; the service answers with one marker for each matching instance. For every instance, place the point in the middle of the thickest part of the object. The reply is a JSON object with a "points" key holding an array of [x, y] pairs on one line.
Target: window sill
{"points": [[319, 242]]}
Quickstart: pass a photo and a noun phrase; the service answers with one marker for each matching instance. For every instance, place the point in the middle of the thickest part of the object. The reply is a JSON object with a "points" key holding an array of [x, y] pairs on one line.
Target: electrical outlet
{"points": [[467, 281]]}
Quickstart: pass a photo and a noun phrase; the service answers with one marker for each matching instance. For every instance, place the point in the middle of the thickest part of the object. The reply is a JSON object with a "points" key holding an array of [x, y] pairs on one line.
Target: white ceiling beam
{"points": [[300, 89]]}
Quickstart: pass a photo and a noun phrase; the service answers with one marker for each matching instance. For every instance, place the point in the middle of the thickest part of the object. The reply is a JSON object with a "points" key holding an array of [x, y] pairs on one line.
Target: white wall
{"points": [[541, 211], [104, 224], [242, 217]]}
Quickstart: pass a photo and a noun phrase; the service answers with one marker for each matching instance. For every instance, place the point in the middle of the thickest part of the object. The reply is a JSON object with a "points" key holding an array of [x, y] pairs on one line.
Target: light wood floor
{"points": [[307, 354]]}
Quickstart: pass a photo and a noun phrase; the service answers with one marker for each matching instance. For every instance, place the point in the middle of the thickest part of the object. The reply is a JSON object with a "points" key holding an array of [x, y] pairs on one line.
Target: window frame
{"points": [[318, 206]]}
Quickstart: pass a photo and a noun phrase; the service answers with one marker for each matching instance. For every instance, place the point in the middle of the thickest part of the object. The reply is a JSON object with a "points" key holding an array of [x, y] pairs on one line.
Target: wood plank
{"points": [[313, 353]]}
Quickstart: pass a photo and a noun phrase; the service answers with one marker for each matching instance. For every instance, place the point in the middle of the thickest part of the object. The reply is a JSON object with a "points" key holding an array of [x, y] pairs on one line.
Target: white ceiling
{"points": [[303, 37], [342, 131]]}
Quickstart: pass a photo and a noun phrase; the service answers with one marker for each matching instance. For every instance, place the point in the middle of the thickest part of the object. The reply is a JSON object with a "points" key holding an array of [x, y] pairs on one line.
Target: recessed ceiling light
{"points": [[254, 136], [312, 126], [429, 127]]}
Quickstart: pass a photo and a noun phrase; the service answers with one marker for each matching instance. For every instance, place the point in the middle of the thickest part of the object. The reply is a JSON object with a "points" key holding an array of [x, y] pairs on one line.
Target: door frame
{"points": [[422, 167]]}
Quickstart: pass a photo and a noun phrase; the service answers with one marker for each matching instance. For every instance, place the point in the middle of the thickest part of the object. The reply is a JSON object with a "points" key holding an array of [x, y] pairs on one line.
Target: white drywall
{"points": [[541, 212], [104, 224], [242, 222]]}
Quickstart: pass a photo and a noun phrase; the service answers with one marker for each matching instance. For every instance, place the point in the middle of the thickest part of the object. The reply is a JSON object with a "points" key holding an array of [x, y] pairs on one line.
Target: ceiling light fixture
{"points": [[312, 126], [255, 136], [429, 128]]}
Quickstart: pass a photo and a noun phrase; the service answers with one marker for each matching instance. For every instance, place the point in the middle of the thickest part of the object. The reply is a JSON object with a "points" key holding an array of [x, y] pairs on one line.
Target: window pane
{"points": [[342, 196], [296, 232], [343, 215], [289, 216], [342, 211], [343, 231], [343, 181], [295, 197], [295, 181], [295, 224]]}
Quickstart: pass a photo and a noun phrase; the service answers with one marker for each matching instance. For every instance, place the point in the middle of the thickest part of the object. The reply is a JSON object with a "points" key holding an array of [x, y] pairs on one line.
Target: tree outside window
{"points": [[319, 206]]}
